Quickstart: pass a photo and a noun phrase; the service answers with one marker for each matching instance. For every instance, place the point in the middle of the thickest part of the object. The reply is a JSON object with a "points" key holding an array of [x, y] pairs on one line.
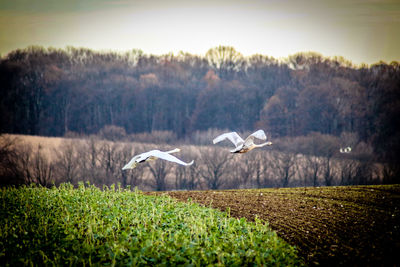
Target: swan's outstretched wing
{"points": [[260, 134], [166, 156], [232, 136]]}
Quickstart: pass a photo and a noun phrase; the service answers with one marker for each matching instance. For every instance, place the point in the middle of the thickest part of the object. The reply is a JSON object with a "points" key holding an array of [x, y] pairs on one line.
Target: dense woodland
{"points": [[56, 92]]}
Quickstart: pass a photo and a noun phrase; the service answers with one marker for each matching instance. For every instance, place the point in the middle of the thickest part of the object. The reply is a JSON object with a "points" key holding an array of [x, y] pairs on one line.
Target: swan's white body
{"points": [[345, 150], [243, 146], [154, 154]]}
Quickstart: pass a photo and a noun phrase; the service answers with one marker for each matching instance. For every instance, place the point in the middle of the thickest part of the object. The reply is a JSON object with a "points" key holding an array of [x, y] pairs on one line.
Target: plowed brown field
{"points": [[351, 226]]}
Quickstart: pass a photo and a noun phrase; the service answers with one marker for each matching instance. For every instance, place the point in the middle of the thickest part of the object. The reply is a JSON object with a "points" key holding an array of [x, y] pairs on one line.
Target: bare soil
{"points": [[330, 226]]}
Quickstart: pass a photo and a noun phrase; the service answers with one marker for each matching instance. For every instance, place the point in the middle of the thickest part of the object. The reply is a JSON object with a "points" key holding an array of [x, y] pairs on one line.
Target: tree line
{"points": [[313, 160], [53, 92]]}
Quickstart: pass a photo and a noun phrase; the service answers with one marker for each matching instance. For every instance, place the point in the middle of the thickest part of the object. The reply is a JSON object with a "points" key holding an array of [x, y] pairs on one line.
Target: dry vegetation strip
{"points": [[354, 225]]}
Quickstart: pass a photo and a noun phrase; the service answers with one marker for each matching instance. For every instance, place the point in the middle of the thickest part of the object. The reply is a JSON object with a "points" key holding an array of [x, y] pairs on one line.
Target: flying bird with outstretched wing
{"points": [[155, 154], [243, 146]]}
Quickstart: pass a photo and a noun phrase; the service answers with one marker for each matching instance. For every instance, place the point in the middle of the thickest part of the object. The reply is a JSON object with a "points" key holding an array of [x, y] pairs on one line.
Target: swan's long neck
{"points": [[173, 151], [263, 144]]}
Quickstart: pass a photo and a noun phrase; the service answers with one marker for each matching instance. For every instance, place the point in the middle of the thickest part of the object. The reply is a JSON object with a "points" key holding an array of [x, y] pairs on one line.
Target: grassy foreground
{"points": [[114, 226]]}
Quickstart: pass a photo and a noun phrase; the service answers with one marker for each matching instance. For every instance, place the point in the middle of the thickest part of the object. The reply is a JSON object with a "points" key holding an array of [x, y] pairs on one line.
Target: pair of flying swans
{"points": [[155, 154], [345, 150], [243, 146]]}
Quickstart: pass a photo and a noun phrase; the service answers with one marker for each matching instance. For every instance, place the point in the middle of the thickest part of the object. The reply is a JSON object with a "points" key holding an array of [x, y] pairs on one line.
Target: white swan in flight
{"points": [[154, 154], [345, 150], [243, 146]]}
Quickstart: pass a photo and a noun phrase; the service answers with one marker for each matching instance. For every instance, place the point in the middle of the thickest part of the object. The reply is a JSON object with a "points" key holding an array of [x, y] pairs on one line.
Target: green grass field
{"points": [[114, 226]]}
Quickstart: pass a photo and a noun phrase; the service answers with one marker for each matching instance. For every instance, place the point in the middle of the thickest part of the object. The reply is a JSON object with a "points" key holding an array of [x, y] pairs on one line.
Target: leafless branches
{"points": [[100, 162], [216, 165]]}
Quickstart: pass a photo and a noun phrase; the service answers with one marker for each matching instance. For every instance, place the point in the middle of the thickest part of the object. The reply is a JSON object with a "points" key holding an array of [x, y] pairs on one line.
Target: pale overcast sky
{"points": [[362, 31]]}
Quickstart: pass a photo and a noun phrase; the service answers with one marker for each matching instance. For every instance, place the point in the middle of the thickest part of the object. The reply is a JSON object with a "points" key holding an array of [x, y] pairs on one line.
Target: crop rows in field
{"points": [[114, 226], [353, 225]]}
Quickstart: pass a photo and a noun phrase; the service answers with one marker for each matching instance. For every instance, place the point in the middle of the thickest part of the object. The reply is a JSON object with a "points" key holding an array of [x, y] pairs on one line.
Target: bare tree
{"points": [[312, 168], [366, 170], [24, 162], [246, 167], [364, 173], [327, 152], [109, 161], [42, 168], [67, 162], [347, 170], [35, 165], [10, 173], [284, 166], [327, 172], [390, 172], [225, 60], [89, 155], [321, 149], [216, 165], [262, 168], [159, 170], [187, 177]]}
